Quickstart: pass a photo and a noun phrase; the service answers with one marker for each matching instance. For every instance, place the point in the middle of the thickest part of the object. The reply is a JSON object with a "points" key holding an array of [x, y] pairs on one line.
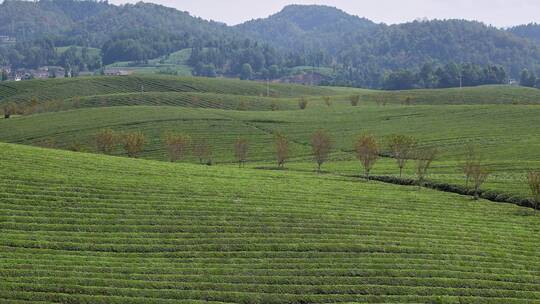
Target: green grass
{"points": [[83, 228]]}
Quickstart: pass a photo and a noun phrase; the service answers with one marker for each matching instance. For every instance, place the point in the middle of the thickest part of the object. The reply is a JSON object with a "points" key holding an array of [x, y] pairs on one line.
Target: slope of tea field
{"points": [[61, 89], [83, 228]]}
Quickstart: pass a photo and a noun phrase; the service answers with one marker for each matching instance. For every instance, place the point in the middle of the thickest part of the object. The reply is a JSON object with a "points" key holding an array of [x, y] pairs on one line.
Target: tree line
{"points": [[431, 76], [367, 149]]}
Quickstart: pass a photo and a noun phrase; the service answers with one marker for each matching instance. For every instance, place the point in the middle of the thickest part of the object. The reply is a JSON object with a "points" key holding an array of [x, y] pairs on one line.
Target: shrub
{"points": [[241, 151], [202, 150], [355, 100], [321, 144], [176, 146], [133, 143], [367, 151], [303, 103], [106, 141], [282, 149], [533, 178]]}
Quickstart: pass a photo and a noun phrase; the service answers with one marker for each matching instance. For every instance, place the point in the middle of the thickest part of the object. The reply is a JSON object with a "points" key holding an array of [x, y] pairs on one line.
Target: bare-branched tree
{"points": [[241, 148], [402, 149], [282, 149], [202, 150], [479, 175], [321, 144], [133, 143], [424, 158], [176, 145], [106, 141], [471, 159], [367, 151]]}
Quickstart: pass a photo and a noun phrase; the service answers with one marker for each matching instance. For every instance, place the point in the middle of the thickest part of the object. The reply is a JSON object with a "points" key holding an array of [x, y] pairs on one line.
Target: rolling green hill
{"points": [[83, 228], [61, 89], [501, 120]]}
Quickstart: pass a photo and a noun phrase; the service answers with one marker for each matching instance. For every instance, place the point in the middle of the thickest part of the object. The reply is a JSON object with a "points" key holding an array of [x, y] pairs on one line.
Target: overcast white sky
{"points": [[496, 12]]}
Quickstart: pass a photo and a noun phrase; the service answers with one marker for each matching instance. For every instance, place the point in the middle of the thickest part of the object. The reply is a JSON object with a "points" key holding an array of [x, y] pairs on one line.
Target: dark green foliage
{"points": [[529, 31], [528, 79], [447, 76]]}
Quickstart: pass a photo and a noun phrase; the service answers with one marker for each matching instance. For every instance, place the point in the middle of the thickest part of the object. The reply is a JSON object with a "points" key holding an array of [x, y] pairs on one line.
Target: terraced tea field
{"points": [[61, 89], [83, 228], [505, 134]]}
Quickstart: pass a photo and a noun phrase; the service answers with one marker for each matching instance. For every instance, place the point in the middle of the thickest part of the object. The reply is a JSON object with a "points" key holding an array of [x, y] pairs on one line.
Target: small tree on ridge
{"points": [[282, 149], [241, 148], [321, 144], [367, 151], [176, 146], [402, 148]]}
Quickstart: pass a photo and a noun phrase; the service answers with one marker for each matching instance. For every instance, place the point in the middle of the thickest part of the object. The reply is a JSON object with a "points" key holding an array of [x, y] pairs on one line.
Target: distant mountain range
{"points": [[358, 51]]}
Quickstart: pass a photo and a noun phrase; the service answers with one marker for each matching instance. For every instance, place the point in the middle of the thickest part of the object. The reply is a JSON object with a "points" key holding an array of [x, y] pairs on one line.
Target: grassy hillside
{"points": [[87, 228], [61, 89], [505, 134], [494, 94], [189, 99]]}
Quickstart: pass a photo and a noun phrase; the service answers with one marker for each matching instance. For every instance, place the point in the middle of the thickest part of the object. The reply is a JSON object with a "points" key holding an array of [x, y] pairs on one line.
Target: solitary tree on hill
{"points": [[133, 143], [106, 141], [241, 148], [424, 158], [479, 175], [321, 144], [282, 149], [202, 150], [471, 159], [367, 151], [176, 146], [402, 148]]}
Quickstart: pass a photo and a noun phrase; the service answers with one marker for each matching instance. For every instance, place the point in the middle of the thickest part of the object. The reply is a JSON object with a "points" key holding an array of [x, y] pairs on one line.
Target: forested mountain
{"points": [[529, 31], [360, 49], [307, 28], [353, 50]]}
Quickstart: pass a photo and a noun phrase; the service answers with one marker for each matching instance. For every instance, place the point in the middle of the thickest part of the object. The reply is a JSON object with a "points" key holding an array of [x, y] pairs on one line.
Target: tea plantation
{"points": [[80, 227], [83, 228]]}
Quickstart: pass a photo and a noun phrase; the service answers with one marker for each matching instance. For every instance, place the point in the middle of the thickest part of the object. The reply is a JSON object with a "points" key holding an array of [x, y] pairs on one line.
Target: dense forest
{"points": [[353, 50]]}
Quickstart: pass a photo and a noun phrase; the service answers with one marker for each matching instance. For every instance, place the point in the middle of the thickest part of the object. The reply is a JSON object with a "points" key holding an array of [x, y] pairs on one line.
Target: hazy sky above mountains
{"points": [[495, 12]]}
